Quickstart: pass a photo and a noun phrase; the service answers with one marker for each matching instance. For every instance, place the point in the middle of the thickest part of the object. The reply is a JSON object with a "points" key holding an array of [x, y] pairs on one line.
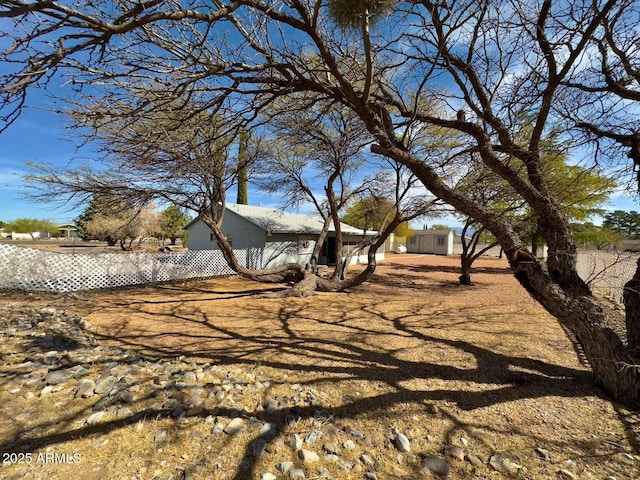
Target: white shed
{"points": [[281, 236], [439, 242]]}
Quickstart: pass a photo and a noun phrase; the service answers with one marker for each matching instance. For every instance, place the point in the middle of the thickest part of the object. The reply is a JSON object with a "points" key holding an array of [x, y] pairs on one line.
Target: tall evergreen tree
{"points": [[243, 170]]}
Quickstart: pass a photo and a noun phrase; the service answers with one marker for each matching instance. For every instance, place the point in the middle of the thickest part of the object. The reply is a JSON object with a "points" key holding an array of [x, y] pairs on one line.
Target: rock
{"points": [[367, 460], [268, 430], [503, 465], [542, 453], [402, 443], [566, 475], [84, 388], [58, 376], [345, 465], [296, 474], [331, 447], [295, 442], [349, 445], [284, 467], [259, 447], [475, 460], [95, 418], [270, 406], [308, 456], [268, 476], [312, 437], [454, 452], [50, 357], [399, 472], [104, 385], [436, 465], [235, 427]]}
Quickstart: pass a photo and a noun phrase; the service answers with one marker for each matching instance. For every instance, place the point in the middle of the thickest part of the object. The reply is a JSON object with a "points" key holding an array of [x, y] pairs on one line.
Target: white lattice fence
{"points": [[607, 272], [39, 270]]}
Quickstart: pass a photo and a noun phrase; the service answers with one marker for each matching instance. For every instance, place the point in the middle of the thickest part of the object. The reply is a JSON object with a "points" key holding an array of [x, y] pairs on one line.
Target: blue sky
{"points": [[40, 136], [37, 136]]}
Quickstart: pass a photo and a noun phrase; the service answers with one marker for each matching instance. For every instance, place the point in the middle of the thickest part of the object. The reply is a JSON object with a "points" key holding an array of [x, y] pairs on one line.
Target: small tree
{"points": [[172, 222], [243, 169], [32, 226], [589, 235], [626, 224], [371, 214]]}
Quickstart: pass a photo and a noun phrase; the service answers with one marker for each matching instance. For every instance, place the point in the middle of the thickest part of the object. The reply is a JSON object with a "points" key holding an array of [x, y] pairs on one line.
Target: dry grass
{"points": [[412, 349]]}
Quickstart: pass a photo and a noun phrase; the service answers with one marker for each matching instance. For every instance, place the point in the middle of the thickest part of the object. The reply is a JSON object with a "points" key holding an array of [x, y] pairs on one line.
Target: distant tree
{"points": [[86, 216], [172, 222], [440, 226], [113, 219], [123, 225], [588, 235], [581, 192], [32, 226], [243, 169], [625, 223], [485, 187], [372, 214], [470, 236]]}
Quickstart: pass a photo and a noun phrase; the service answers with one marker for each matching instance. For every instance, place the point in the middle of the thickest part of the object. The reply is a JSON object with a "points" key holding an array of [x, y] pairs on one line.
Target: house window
{"points": [[212, 237], [440, 240]]}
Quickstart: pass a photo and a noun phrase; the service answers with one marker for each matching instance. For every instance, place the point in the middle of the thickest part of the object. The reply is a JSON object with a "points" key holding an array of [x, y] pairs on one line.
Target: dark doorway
{"points": [[329, 250]]}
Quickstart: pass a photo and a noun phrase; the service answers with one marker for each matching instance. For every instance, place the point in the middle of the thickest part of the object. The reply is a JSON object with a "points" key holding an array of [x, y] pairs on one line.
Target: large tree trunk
{"points": [[593, 323], [631, 298], [558, 288], [465, 270]]}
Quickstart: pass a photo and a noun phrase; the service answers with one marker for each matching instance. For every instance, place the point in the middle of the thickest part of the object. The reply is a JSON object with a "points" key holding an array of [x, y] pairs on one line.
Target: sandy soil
{"points": [[483, 367]]}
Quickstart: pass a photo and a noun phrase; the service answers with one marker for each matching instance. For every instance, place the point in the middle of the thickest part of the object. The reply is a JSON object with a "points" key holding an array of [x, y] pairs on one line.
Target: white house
{"points": [[281, 236], [439, 242]]}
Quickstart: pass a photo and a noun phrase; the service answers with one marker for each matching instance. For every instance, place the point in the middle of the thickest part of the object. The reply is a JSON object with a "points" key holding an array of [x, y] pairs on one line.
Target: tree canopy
{"points": [[625, 223], [32, 226], [372, 213]]}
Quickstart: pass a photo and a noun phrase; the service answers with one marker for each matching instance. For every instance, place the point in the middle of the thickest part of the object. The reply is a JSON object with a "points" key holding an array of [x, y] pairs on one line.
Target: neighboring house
{"points": [[439, 242], [67, 230], [30, 236], [282, 237], [457, 246]]}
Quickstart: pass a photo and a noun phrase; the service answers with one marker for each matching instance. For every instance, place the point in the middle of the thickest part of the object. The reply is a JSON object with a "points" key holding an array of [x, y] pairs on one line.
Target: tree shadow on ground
{"points": [[354, 343], [450, 269]]}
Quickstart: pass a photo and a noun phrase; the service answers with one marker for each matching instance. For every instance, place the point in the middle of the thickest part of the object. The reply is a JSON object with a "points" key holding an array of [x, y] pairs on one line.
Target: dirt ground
{"points": [[482, 367]]}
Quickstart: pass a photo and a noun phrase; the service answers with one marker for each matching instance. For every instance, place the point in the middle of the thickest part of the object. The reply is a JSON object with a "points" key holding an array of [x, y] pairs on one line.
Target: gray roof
{"points": [[274, 220], [432, 231]]}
